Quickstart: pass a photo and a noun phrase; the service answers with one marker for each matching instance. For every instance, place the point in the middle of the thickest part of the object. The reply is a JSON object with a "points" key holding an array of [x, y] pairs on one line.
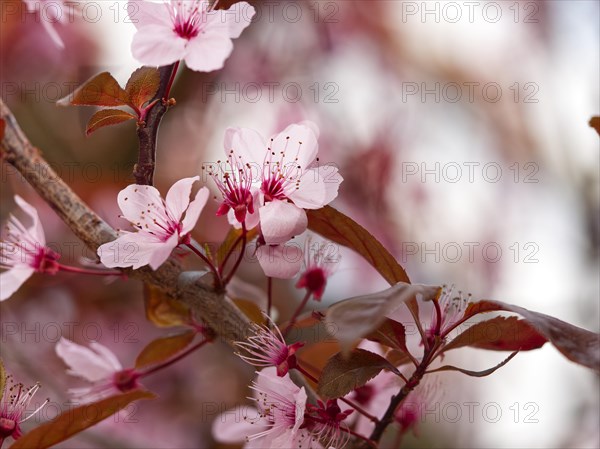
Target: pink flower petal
{"points": [[318, 187], [178, 197], [144, 13], [84, 362], [193, 211], [231, 427], [36, 230], [162, 252], [297, 141], [110, 358], [135, 199], [131, 249], [280, 221], [208, 52], [11, 280], [158, 45], [234, 20], [280, 261], [249, 145]]}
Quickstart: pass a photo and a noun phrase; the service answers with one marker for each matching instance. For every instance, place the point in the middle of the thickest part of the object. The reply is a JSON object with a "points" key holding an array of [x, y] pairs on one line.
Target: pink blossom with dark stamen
{"points": [[268, 348], [319, 264]]}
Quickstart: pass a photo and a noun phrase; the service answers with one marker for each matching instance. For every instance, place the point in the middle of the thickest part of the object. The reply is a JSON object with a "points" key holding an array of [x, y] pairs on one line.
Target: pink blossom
{"points": [[161, 224], [325, 421], [411, 411], [97, 365], [274, 421], [271, 184], [319, 264], [190, 30], [23, 251], [50, 12], [268, 348], [13, 406], [279, 261]]}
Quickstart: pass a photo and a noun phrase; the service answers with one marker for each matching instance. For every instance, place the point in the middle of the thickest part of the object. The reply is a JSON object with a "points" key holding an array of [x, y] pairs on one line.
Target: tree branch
{"points": [[211, 306], [148, 134]]}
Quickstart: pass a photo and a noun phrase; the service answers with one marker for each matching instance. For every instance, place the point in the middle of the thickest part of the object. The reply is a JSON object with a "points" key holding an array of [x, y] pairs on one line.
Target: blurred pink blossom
{"points": [[49, 12], [97, 365], [23, 251]]}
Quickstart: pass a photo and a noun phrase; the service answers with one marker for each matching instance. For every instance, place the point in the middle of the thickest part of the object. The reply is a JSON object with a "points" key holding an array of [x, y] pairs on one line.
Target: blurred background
{"points": [[461, 131]]}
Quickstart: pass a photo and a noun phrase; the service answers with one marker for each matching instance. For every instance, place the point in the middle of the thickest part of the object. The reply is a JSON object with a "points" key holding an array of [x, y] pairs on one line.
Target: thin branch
{"points": [[208, 304], [148, 134]]}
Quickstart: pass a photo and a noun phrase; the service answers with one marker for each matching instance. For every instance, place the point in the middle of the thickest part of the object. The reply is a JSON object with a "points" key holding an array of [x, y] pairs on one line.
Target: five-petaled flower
{"points": [[275, 420], [23, 251], [161, 224], [13, 406], [266, 347], [272, 184], [190, 30], [99, 366]]}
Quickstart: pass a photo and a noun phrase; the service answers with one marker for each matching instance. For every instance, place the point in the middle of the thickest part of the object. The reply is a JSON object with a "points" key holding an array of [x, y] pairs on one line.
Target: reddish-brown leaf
{"points": [[100, 90], [163, 349], [578, 345], [250, 309], [142, 86], [341, 229], [107, 117], [390, 333], [499, 334], [343, 374], [76, 420]]}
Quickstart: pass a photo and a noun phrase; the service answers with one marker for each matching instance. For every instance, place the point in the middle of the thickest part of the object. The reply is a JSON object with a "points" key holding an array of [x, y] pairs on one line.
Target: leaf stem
{"points": [[297, 313], [171, 80], [70, 269], [174, 359], [241, 256], [208, 262]]}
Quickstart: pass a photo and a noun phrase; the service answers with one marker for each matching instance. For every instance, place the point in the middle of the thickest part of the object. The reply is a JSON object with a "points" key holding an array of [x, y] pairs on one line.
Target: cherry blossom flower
{"points": [[13, 406], [268, 348], [319, 264], [97, 365], [374, 397], [271, 184], [274, 421], [23, 251], [161, 224], [190, 30], [49, 12], [452, 310]]}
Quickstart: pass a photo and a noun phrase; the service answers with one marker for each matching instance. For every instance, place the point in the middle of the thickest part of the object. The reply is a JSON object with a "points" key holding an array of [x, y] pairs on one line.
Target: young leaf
{"points": [[100, 90], [163, 348], [341, 229], [342, 374], [352, 319], [76, 420], [107, 117], [142, 86], [390, 333], [483, 373], [578, 345], [499, 334], [164, 311]]}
